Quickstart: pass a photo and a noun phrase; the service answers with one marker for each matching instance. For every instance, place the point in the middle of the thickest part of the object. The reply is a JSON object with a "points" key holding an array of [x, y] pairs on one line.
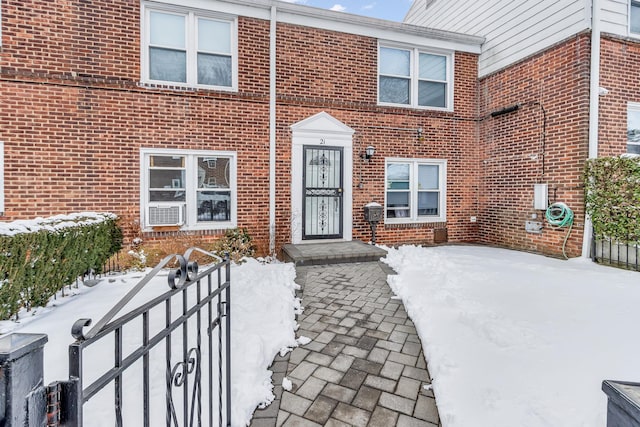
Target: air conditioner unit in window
{"points": [[165, 215]]}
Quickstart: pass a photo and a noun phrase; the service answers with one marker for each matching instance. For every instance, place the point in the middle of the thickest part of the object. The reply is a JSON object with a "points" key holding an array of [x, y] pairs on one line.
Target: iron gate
{"points": [[194, 379]]}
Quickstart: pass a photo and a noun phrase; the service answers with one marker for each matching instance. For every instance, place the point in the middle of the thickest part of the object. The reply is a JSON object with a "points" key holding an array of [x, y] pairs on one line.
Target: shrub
{"points": [[237, 243], [613, 197], [38, 258]]}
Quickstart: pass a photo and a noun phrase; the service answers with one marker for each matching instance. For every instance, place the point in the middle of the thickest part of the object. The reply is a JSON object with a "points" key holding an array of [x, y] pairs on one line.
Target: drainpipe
{"points": [[594, 105], [272, 132]]}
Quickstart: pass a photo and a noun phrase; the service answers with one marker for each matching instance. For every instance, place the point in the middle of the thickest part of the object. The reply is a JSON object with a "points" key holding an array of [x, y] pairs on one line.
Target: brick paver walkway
{"points": [[364, 365]]}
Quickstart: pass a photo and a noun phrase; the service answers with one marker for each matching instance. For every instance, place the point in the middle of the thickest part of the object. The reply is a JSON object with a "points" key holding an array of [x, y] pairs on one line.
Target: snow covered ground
{"points": [[263, 324], [512, 339], [515, 339]]}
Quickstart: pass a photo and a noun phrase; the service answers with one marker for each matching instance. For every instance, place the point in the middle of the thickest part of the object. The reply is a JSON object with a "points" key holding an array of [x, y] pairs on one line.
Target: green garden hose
{"points": [[559, 215]]}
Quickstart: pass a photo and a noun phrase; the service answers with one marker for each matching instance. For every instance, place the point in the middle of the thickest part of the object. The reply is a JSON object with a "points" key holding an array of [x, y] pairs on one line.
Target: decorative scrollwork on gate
{"points": [[179, 376], [328, 192]]}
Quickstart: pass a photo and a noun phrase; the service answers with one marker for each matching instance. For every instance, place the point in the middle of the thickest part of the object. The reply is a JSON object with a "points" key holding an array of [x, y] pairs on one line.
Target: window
{"points": [[633, 128], [414, 78], [634, 17], [193, 189], [415, 190], [182, 47]]}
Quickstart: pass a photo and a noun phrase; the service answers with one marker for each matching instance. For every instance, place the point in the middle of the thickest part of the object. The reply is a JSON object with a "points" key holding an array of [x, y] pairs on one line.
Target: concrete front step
{"points": [[331, 253]]}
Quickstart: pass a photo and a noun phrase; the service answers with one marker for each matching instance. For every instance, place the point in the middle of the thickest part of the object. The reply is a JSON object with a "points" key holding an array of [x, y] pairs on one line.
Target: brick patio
{"points": [[364, 365]]}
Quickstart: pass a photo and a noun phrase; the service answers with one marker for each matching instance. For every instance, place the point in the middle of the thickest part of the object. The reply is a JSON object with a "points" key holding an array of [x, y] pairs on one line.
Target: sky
{"points": [[392, 10]]}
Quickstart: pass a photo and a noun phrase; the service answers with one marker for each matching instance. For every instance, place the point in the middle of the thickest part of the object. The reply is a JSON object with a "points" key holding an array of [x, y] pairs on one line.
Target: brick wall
{"points": [[512, 156], [73, 118], [311, 84], [618, 57]]}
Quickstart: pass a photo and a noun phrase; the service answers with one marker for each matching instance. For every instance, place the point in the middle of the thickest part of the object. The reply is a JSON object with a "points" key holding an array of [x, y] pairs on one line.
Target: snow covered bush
{"points": [[237, 243], [39, 257]]}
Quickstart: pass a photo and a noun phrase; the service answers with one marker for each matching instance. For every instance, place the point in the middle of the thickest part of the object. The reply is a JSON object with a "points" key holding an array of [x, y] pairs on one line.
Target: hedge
{"points": [[613, 197], [39, 257]]}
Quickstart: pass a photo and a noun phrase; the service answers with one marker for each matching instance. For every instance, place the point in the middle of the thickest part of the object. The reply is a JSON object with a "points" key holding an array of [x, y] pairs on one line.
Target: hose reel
{"points": [[559, 215]]}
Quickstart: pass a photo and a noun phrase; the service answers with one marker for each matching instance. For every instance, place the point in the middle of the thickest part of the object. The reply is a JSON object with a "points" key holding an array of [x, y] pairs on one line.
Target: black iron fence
{"points": [[618, 254], [168, 359]]}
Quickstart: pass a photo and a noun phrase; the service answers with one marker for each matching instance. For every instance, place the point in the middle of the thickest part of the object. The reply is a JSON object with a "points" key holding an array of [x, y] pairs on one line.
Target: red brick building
{"points": [[557, 85], [190, 118]]}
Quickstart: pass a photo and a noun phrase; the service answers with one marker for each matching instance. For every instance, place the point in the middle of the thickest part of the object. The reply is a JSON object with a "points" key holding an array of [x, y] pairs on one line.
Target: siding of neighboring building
{"points": [[514, 156], [514, 30], [614, 16]]}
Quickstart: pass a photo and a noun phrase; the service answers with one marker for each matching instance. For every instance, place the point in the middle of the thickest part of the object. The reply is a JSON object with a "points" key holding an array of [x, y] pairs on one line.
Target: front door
{"points": [[322, 192]]}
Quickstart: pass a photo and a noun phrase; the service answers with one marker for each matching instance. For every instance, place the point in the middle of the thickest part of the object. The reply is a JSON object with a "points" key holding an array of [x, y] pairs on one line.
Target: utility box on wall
{"points": [[541, 197]]}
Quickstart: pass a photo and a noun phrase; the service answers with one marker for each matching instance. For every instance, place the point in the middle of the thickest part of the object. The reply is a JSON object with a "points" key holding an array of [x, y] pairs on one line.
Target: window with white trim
{"points": [[414, 78], [633, 128], [415, 190], [183, 47], [191, 189], [634, 17]]}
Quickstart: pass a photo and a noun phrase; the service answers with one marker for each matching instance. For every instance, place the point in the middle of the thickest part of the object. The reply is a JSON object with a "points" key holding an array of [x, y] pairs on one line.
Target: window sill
{"points": [[416, 107], [431, 223], [152, 84]]}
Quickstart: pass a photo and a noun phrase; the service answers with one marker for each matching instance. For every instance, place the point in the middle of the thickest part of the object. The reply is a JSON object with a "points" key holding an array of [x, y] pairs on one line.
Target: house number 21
{"points": [[322, 141]]}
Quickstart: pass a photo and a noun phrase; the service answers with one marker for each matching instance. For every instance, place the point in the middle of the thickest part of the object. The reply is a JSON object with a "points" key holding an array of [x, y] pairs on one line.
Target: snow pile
{"points": [[515, 339], [53, 223], [263, 307], [263, 322]]}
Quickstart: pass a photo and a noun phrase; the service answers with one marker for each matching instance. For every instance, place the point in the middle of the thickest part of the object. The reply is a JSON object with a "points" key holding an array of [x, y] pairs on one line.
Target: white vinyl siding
{"points": [[195, 190], [181, 47], [513, 30]]}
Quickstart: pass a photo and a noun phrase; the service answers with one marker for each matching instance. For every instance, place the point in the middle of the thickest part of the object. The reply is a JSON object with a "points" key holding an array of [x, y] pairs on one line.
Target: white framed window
{"points": [[415, 190], [633, 128], [184, 48], [416, 78], [634, 17], [195, 190]]}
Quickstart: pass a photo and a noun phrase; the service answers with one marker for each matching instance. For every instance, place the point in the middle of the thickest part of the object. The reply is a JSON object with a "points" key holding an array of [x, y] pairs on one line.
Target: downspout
{"points": [[594, 105], [272, 132]]}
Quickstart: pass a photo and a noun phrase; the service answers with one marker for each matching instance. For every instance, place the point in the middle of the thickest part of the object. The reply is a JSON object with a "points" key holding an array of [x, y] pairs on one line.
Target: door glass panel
{"points": [[323, 192]]}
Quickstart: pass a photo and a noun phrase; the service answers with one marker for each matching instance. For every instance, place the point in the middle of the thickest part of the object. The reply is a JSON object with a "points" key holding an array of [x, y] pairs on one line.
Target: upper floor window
{"points": [[414, 78], [186, 48], [191, 189], [633, 128], [415, 190], [634, 17]]}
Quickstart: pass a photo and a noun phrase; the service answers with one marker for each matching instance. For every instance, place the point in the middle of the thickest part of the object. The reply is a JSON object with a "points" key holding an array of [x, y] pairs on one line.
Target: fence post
{"points": [[21, 371]]}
